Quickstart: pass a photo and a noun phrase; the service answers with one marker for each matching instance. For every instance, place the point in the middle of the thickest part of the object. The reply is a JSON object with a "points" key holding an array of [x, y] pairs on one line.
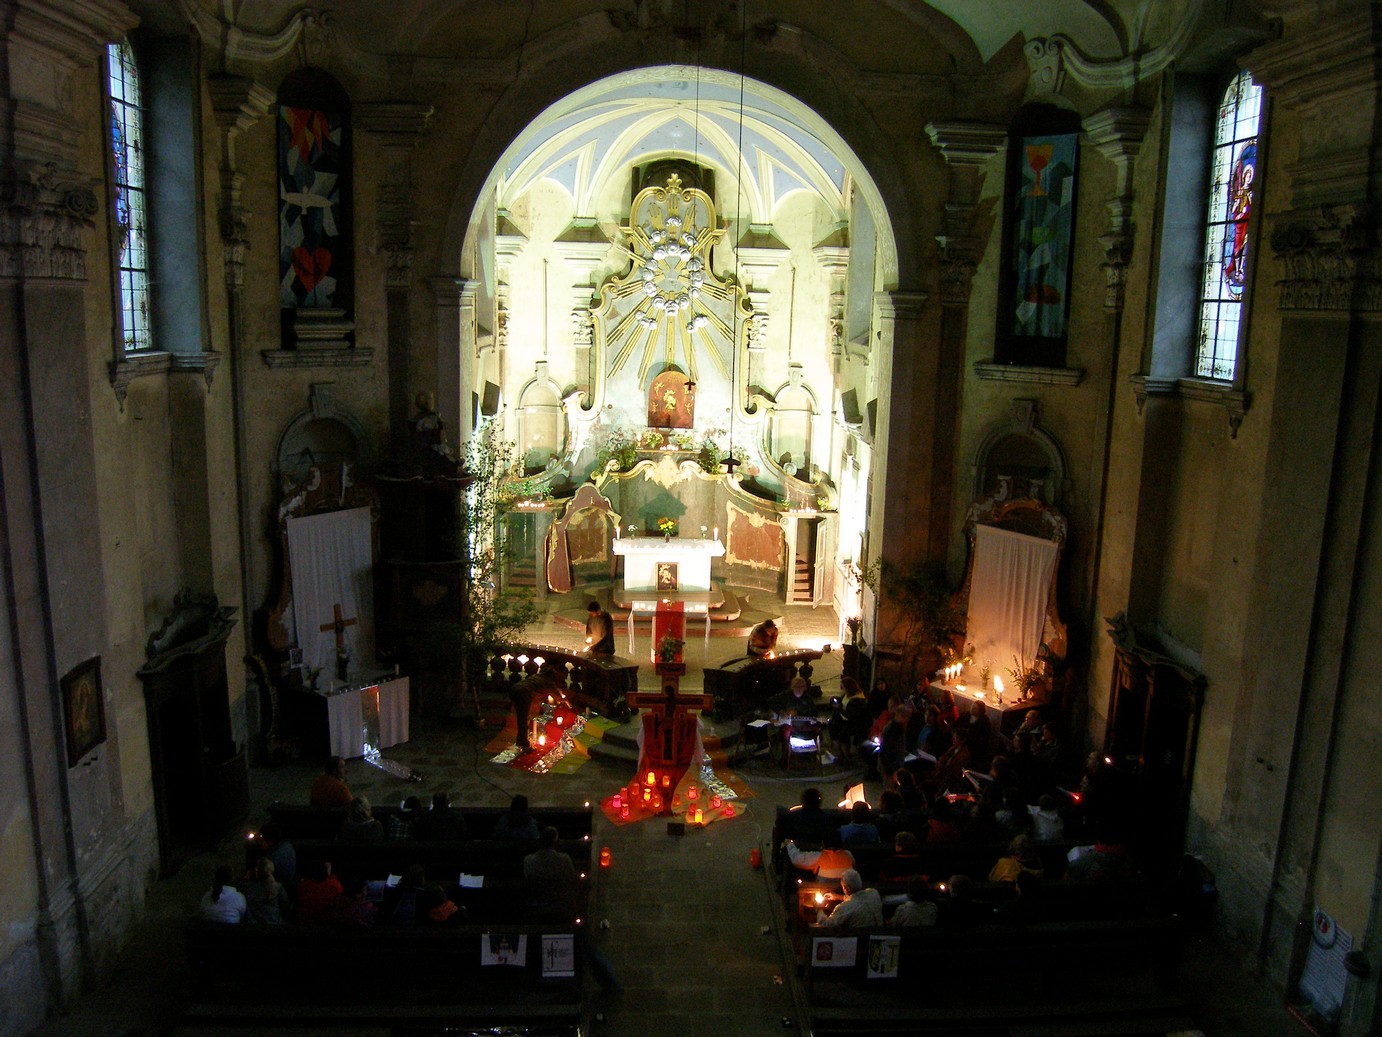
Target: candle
{"points": [[624, 812], [616, 801], [717, 532], [693, 793], [604, 856], [715, 802], [618, 530]]}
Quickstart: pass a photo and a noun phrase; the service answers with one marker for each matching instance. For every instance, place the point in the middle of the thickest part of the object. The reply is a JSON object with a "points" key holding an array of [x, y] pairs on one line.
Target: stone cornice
{"points": [[43, 217], [1028, 375], [397, 124], [899, 305], [238, 101], [963, 143], [1235, 402], [1332, 258], [1326, 60], [69, 32]]}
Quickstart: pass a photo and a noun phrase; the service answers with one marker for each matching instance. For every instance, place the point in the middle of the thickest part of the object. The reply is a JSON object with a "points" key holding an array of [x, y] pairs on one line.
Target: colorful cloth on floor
{"points": [[562, 748], [711, 785]]}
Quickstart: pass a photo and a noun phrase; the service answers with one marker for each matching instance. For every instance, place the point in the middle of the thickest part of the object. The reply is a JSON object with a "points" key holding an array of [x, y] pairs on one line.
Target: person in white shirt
{"points": [[1047, 825], [860, 907], [222, 903]]}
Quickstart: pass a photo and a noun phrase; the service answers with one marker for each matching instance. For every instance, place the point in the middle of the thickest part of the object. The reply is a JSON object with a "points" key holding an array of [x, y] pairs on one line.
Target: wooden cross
{"points": [[669, 700], [338, 624]]}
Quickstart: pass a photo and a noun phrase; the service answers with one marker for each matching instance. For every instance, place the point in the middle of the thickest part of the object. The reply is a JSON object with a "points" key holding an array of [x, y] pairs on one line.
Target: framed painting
{"points": [[83, 707], [666, 576]]}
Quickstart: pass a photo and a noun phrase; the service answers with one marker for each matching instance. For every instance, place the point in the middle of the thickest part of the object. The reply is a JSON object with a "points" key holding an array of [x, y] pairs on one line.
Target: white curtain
{"points": [[331, 558], [1007, 596]]}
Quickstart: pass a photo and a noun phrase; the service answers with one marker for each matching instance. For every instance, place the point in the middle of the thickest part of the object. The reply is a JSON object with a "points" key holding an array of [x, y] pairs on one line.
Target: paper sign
{"points": [[834, 952], [558, 956]]}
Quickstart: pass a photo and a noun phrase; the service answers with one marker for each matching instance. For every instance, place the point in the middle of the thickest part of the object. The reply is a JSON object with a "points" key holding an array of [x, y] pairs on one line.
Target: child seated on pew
{"points": [[918, 909]]}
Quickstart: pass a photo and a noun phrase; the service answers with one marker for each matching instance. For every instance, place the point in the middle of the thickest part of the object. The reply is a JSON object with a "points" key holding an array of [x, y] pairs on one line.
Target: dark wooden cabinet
{"points": [[200, 775], [1154, 718]]}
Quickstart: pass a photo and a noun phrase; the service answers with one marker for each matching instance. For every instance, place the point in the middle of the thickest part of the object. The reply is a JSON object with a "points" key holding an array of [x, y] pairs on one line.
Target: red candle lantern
{"points": [[695, 815], [624, 812], [715, 802], [693, 793], [657, 803], [652, 778], [605, 855], [666, 781], [616, 801], [729, 810], [676, 801]]}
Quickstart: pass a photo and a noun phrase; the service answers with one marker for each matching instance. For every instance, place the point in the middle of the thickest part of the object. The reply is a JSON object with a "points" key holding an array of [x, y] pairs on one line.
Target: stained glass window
{"points": [[131, 214], [1229, 215]]}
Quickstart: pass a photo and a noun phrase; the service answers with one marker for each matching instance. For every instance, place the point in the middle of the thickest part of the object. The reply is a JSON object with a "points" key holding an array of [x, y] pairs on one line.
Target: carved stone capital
{"points": [[398, 265], [43, 215], [1332, 258], [957, 265]]}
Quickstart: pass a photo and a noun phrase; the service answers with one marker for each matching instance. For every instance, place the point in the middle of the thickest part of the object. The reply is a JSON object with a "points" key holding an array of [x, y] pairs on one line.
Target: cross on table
{"points": [[338, 625]]}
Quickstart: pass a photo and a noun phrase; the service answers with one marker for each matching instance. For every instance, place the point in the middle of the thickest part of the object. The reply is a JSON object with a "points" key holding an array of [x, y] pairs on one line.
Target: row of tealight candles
{"points": [[649, 795]]}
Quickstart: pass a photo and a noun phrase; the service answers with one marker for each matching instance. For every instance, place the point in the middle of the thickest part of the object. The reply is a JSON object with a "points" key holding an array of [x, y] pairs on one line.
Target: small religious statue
{"points": [[342, 662], [429, 447]]}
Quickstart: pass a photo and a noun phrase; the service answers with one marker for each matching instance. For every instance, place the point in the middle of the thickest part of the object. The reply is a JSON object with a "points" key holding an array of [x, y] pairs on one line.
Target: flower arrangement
{"points": [[1027, 679], [667, 526], [651, 440], [669, 648]]}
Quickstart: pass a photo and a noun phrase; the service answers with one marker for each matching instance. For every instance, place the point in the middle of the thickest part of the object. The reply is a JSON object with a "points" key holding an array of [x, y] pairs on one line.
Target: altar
{"points": [[654, 564], [367, 718], [1004, 714]]}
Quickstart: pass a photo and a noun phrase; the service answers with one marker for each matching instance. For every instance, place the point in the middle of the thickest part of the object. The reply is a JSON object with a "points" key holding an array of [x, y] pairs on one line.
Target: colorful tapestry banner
{"points": [[311, 165], [1045, 227]]}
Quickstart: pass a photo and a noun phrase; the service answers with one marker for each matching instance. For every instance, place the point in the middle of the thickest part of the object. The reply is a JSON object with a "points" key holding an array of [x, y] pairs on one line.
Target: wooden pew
{"points": [[983, 979], [346, 975], [300, 821]]}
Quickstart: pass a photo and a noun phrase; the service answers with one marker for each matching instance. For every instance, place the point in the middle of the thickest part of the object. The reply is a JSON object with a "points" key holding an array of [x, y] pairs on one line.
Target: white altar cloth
{"points": [[692, 558], [354, 720]]}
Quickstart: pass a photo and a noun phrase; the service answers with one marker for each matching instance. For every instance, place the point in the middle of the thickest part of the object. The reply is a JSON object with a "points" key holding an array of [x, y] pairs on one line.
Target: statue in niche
{"points": [[672, 401], [429, 447]]}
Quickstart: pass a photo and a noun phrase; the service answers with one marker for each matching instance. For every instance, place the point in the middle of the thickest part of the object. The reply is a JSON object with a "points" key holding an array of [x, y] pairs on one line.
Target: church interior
{"points": [[352, 348]]}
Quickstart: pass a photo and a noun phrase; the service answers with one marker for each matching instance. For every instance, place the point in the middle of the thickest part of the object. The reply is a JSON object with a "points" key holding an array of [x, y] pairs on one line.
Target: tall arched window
{"points": [[1231, 192], [131, 224]]}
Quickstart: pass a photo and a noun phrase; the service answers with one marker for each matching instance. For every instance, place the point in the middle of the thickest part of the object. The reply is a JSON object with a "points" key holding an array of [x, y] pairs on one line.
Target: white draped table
{"points": [[369, 717]]}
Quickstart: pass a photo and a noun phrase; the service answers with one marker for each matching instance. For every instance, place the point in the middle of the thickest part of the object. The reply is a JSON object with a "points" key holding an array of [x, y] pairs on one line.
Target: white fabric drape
{"points": [[356, 723], [331, 557], [1007, 596]]}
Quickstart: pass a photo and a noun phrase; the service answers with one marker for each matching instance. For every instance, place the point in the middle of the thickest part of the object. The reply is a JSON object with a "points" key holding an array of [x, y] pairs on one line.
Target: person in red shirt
{"points": [[317, 893], [330, 788]]}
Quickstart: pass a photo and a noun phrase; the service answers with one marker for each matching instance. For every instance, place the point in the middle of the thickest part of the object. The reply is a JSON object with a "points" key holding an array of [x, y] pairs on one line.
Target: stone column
{"points": [[238, 103], [968, 149], [72, 843], [1313, 604], [904, 453], [1116, 133], [396, 126], [455, 309]]}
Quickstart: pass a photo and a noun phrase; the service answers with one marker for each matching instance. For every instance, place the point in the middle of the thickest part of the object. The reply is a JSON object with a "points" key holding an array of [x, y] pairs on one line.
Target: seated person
{"points": [[861, 905], [943, 827], [799, 700], [1047, 824], [360, 825], [1022, 857], [553, 888], [807, 822], [403, 903], [829, 862], [353, 906], [441, 823], [330, 788], [861, 828], [402, 823], [919, 908], [281, 852], [438, 908], [599, 630], [317, 892], [1013, 817], [222, 903], [763, 639], [516, 822], [266, 899], [1106, 861], [960, 908], [905, 862]]}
